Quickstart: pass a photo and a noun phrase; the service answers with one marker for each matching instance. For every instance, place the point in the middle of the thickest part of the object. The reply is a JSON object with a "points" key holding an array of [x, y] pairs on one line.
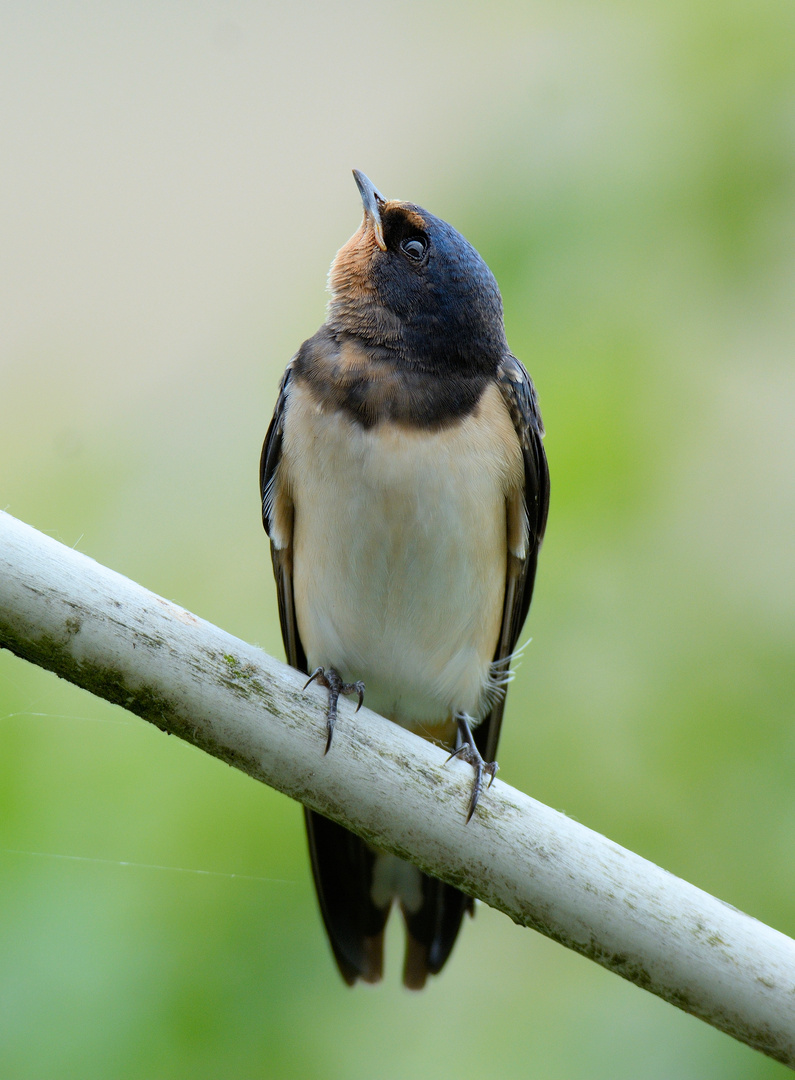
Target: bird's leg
{"points": [[468, 751], [332, 680]]}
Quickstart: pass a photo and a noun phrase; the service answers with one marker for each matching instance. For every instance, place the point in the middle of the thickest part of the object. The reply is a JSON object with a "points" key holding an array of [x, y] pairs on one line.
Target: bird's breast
{"points": [[399, 551]]}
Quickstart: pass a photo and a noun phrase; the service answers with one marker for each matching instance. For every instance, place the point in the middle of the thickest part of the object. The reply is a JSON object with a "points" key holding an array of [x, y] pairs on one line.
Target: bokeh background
{"points": [[175, 181]]}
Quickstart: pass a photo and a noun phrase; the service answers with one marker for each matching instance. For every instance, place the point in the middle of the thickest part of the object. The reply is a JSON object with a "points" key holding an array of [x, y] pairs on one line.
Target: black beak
{"points": [[373, 201]]}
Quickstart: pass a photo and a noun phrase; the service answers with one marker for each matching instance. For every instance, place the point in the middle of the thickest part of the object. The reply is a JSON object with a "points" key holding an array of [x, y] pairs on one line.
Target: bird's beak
{"points": [[373, 201]]}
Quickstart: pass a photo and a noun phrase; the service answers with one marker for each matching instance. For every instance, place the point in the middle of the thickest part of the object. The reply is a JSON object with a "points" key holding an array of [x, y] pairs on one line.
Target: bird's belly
{"points": [[400, 560]]}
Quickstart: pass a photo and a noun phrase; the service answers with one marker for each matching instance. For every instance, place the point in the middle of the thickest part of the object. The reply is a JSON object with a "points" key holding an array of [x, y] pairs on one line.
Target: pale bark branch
{"points": [[90, 625]]}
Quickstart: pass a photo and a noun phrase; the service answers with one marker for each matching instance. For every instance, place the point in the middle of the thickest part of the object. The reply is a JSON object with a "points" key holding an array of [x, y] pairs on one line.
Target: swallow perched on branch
{"points": [[405, 492]]}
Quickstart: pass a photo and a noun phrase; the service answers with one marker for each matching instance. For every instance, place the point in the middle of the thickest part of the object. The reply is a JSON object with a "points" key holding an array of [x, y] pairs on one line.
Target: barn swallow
{"points": [[405, 491]]}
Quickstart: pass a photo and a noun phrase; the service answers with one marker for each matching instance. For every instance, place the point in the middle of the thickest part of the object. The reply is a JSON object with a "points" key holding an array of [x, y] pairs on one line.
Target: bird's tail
{"points": [[356, 887]]}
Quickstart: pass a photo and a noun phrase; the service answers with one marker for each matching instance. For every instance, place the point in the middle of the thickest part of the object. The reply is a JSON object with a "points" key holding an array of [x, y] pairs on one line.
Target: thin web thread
{"points": [[147, 866]]}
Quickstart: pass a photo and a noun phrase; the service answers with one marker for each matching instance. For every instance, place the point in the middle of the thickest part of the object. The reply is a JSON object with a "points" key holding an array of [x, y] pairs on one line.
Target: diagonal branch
{"points": [[88, 624]]}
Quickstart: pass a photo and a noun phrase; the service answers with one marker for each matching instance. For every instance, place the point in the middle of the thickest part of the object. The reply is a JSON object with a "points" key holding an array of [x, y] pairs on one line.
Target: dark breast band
{"points": [[373, 384]]}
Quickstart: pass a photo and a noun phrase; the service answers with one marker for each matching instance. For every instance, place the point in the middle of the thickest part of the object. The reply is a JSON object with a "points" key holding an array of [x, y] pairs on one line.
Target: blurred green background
{"points": [[175, 181]]}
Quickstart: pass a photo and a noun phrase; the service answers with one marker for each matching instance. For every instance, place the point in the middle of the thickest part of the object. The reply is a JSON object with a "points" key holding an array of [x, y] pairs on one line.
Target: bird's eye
{"points": [[414, 247]]}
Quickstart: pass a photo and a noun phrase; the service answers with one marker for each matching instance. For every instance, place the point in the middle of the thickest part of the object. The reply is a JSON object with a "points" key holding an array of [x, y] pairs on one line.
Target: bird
{"points": [[404, 491]]}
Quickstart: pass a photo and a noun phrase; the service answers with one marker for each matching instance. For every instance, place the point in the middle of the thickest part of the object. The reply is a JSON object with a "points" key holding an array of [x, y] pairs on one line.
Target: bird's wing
{"points": [[277, 517], [527, 518]]}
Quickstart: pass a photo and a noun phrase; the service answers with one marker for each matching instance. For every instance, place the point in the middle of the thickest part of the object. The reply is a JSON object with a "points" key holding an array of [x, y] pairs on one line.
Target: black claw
{"points": [[468, 751], [359, 688], [477, 787], [332, 680], [318, 671]]}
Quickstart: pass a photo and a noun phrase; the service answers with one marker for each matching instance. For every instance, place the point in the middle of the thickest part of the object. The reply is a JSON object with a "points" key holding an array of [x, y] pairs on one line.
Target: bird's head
{"points": [[409, 282]]}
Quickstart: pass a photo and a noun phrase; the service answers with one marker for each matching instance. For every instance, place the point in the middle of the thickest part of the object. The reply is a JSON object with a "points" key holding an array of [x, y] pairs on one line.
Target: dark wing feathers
{"points": [[272, 451], [282, 557], [342, 866], [519, 395]]}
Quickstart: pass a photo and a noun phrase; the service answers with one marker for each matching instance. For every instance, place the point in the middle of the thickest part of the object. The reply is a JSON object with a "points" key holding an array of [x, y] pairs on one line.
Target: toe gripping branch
{"points": [[468, 751], [332, 680]]}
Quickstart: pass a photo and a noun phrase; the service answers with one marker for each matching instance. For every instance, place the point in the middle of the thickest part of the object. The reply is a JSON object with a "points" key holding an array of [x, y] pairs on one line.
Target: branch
{"points": [[90, 625]]}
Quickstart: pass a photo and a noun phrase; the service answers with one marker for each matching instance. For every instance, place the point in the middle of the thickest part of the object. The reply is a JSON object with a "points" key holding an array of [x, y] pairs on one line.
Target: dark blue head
{"points": [[408, 281]]}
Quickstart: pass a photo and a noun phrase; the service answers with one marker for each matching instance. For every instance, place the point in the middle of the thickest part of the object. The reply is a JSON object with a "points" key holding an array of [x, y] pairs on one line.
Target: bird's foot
{"points": [[332, 680], [468, 751]]}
